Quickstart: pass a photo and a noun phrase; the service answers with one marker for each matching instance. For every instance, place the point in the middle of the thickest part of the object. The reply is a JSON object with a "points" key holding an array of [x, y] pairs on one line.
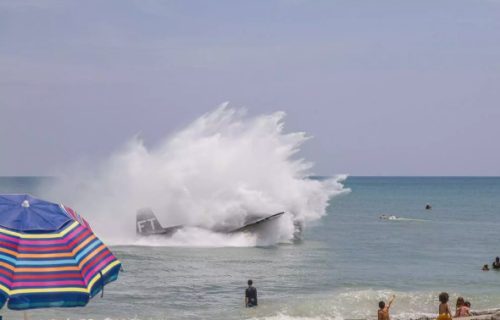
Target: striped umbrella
{"points": [[49, 256]]}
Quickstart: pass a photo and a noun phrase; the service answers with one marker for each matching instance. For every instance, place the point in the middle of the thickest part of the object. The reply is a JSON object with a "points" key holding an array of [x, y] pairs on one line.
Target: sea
{"points": [[347, 261]]}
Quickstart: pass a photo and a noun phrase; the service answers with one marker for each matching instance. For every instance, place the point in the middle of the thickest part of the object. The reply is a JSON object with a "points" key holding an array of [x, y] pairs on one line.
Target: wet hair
{"points": [[444, 297], [250, 282], [381, 304], [467, 304], [460, 302]]}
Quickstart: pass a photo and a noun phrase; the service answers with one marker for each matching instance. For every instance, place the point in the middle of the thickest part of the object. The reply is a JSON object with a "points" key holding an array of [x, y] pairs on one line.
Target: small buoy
{"points": [[25, 204]]}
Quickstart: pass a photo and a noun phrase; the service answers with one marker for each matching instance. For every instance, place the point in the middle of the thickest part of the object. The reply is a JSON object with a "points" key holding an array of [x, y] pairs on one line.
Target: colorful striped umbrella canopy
{"points": [[49, 256]]}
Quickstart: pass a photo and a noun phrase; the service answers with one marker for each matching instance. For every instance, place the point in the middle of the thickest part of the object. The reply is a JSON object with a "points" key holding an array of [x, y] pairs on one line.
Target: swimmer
{"points": [[486, 268], [496, 263], [386, 217], [428, 207]]}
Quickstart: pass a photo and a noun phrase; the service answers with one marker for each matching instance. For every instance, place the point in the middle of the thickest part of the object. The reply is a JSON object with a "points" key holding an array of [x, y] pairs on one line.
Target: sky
{"points": [[384, 87]]}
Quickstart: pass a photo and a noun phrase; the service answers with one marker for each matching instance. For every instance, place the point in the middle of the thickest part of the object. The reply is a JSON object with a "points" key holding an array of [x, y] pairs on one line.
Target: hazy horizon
{"points": [[313, 176], [385, 88]]}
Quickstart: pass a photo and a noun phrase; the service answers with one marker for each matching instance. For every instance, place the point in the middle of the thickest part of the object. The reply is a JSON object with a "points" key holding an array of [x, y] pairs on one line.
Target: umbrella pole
{"points": [[26, 315]]}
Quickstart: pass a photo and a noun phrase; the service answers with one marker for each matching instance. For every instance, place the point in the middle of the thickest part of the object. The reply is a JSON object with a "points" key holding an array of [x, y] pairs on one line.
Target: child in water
{"points": [[383, 311], [444, 309], [463, 310]]}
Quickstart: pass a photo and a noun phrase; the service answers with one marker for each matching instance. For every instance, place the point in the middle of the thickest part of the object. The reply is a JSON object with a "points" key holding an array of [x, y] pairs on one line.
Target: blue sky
{"points": [[385, 87]]}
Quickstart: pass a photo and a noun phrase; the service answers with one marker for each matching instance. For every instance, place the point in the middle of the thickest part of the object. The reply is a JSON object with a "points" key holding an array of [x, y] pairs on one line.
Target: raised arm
{"points": [[391, 301]]}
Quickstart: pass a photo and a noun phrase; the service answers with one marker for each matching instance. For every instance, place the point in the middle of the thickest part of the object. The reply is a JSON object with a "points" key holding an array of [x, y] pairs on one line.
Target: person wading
{"points": [[250, 295]]}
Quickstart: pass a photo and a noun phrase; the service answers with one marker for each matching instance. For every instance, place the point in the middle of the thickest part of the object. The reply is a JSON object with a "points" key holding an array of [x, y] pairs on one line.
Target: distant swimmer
{"points": [[428, 207], [486, 268], [496, 264], [386, 217], [250, 295], [383, 311]]}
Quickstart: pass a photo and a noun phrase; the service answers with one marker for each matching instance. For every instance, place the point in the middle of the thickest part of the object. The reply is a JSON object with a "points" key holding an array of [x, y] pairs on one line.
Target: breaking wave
{"points": [[220, 169], [363, 304]]}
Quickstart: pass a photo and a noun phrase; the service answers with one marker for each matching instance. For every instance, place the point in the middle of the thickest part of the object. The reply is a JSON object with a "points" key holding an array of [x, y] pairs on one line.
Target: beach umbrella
{"points": [[49, 256]]}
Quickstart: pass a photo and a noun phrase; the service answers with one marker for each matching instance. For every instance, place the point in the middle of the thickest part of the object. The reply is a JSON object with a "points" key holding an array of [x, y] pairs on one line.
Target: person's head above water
{"points": [[467, 304], [497, 259], [444, 297], [250, 282]]}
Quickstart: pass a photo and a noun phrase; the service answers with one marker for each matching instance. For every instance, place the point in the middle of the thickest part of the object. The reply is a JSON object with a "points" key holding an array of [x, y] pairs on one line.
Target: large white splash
{"points": [[218, 170]]}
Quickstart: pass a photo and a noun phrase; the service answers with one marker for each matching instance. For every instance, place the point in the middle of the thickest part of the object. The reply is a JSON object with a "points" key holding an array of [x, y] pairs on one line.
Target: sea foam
{"points": [[218, 170]]}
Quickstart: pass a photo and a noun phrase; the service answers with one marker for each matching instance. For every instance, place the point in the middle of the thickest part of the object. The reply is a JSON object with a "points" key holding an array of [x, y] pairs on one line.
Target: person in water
{"points": [[462, 310], [428, 207], [496, 263], [486, 268], [383, 311], [444, 309], [250, 295], [460, 303]]}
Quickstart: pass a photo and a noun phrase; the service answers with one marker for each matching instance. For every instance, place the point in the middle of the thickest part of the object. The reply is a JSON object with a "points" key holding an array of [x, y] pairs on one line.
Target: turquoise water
{"points": [[346, 263]]}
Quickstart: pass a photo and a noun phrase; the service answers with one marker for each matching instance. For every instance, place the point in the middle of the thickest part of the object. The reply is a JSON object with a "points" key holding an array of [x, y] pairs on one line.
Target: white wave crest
{"points": [[218, 170], [363, 304]]}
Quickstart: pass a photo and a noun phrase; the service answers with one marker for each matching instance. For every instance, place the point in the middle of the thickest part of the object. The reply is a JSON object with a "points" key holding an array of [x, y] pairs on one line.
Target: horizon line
{"points": [[318, 175]]}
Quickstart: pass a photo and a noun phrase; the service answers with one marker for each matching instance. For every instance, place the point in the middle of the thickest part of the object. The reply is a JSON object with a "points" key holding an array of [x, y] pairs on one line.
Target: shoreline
{"points": [[488, 314]]}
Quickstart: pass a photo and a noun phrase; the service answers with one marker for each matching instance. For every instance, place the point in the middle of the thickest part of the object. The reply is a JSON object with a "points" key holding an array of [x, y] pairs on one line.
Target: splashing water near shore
{"points": [[220, 169], [362, 305], [343, 268]]}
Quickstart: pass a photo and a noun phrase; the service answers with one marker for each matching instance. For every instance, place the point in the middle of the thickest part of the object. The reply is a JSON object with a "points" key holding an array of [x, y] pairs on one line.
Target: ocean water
{"points": [[347, 261]]}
